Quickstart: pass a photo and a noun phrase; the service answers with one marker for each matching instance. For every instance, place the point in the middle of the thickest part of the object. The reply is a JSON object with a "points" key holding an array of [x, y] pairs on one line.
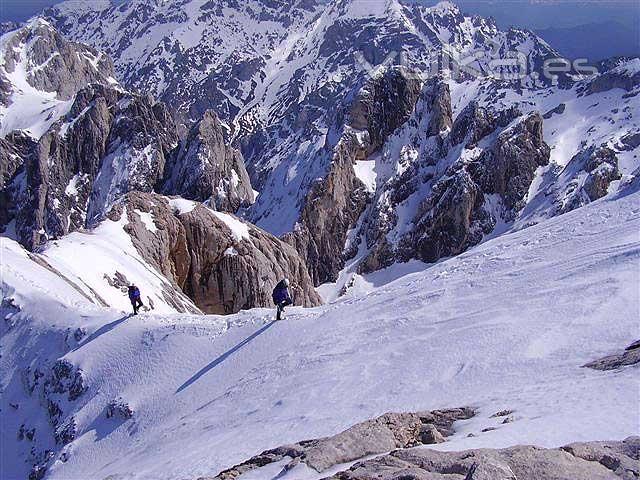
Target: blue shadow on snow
{"points": [[224, 356], [101, 331]]}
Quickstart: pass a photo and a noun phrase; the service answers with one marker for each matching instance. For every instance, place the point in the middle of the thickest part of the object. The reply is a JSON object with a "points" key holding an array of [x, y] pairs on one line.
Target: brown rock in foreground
{"points": [[378, 435], [397, 433], [630, 356], [578, 461]]}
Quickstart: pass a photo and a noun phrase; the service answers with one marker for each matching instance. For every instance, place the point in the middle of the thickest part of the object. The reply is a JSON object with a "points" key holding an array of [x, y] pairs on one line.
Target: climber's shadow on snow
{"points": [[101, 331], [224, 356]]}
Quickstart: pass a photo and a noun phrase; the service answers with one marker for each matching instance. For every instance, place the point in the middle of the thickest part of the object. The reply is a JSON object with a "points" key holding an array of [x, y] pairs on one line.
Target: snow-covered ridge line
{"points": [[433, 338]]}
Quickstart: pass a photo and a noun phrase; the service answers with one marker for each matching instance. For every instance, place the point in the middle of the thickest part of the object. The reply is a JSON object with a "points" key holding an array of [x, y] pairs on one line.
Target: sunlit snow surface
{"points": [[506, 325]]}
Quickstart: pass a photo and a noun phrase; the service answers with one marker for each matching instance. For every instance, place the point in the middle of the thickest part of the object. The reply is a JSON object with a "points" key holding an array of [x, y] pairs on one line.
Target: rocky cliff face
{"points": [[96, 143], [458, 212], [335, 203], [403, 154], [587, 177], [41, 72], [110, 142], [205, 168], [223, 264], [53, 63], [461, 176]]}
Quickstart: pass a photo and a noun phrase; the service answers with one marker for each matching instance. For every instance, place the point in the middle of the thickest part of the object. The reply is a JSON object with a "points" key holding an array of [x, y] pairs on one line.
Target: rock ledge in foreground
{"points": [[379, 435]]}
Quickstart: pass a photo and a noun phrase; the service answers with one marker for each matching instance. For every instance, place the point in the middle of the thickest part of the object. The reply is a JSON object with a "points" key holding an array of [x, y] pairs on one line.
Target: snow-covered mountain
{"points": [[252, 59], [88, 392], [73, 141], [40, 72], [381, 138], [289, 79]]}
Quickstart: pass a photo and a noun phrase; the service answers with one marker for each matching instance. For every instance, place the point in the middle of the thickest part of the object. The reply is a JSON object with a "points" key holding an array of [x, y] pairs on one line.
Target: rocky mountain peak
{"points": [[206, 168], [50, 63], [41, 71]]}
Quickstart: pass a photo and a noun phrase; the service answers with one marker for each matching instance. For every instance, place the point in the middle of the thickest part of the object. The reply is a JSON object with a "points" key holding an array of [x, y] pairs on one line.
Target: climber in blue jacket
{"points": [[134, 297], [281, 297]]}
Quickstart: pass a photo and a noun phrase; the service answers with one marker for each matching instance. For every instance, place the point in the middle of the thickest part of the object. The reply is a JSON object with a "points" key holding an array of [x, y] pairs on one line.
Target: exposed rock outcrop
{"points": [[630, 356], [59, 387], [109, 143], [206, 168], [118, 408], [625, 75], [381, 434], [423, 144], [454, 216], [223, 264], [508, 168], [14, 149], [55, 64], [587, 176], [475, 122], [335, 203], [591, 460], [442, 184], [64, 384]]}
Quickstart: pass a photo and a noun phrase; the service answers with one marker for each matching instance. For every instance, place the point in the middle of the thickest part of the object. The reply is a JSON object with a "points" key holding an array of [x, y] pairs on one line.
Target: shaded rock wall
{"points": [[112, 142], [334, 204]]}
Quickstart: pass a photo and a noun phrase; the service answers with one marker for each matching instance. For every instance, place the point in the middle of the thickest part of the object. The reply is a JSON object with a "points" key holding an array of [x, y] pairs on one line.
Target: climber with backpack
{"points": [[134, 297], [281, 297]]}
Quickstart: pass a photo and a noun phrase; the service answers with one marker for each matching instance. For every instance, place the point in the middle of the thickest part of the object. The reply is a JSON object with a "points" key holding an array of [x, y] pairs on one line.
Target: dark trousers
{"points": [[136, 303], [281, 306]]}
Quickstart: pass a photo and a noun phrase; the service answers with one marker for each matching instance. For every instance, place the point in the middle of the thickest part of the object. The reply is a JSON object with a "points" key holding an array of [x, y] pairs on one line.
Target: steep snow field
{"points": [[505, 325], [96, 265]]}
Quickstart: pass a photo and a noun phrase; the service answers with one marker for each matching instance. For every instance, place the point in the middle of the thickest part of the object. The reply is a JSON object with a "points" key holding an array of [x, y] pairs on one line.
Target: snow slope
{"points": [[97, 265], [505, 325]]}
